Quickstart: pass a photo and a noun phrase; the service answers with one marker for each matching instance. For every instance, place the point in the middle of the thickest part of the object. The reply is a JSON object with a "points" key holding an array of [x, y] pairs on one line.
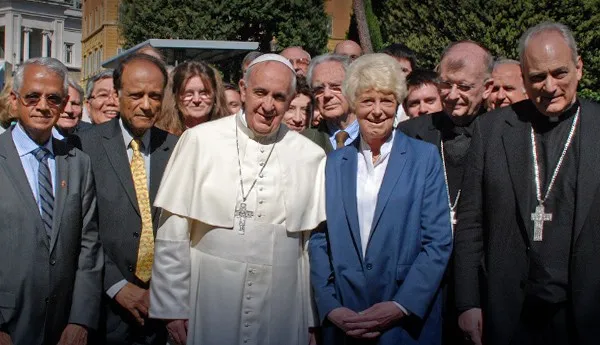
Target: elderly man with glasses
{"points": [[464, 82], [299, 58], [102, 103]]}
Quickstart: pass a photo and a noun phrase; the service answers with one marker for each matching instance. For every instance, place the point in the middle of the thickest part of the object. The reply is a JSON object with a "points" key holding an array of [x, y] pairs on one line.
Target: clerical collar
{"points": [[541, 119], [263, 139]]}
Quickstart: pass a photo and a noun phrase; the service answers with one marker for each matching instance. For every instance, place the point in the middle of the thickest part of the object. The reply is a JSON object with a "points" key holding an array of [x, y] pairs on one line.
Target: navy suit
{"points": [[408, 248]]}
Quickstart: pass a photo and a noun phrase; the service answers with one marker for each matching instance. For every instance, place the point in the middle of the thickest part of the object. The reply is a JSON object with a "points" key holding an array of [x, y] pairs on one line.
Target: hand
{"points": [[471, 323], [74, 335], [136, 300], [339, 315], [372, 321], [177, 331], [5, 339], [312, 340]]}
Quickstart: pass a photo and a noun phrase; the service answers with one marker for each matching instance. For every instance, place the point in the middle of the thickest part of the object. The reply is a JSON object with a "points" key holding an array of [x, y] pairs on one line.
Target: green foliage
{"points": [[374, 28], [290, 22], [427, 26]]}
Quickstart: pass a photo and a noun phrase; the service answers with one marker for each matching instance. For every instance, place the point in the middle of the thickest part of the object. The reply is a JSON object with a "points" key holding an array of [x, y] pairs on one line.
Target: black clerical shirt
{"points": [[549, 258]]}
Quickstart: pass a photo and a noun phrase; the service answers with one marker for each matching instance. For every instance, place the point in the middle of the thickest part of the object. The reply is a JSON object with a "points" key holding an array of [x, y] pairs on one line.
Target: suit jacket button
{"points": [[46, 299], [52, 262], [369, 266], [130, 268], [136, 234]]}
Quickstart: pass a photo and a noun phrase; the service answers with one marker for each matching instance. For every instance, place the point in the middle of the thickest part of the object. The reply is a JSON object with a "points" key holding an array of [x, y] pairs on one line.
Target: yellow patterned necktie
{"points": [[145, 254]]}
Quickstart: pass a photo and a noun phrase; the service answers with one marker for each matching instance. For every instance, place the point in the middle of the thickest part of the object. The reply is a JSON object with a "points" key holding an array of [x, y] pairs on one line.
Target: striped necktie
{"points": [[145, 254], [45, 194]]}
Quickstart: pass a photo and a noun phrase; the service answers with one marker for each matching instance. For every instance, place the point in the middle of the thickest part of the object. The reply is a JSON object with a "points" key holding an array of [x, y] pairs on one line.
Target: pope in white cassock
{"points": [[239, 198]]}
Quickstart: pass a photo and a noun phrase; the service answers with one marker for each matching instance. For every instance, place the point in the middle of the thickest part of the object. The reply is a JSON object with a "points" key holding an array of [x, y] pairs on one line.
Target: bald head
{"points": [[348, 48], [299, 58], [464, 71]]}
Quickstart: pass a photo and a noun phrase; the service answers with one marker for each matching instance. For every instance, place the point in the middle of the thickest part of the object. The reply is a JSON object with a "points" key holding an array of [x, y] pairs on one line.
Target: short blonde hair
{"points": [[379, 72]]}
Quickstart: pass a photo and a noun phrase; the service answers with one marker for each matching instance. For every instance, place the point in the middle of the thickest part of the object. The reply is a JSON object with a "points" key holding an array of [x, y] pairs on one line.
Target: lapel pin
{"points": [[63, 183]]}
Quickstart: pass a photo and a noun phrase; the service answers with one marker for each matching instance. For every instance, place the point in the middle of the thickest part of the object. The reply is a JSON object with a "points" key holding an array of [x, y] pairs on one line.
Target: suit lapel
{"points": [[517, 148], [589, 168], [115, 150], [61, 189], [347, 174], [393, 171], [14, 169]]}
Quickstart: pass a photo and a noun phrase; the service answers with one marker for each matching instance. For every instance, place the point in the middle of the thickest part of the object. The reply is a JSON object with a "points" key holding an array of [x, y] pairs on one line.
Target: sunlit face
{"points": [[196, 101], [103, 105], [375, 111], [296, 117], [550, 74], [141, 94], [422, 99], [234, 101], [71, 116], [267, 96], [298, 58], [327, 84], [39, 101], [508, 86]]}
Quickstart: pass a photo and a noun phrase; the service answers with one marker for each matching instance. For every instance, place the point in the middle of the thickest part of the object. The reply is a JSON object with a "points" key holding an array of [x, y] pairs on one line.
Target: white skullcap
{"points": [[272, 57]]}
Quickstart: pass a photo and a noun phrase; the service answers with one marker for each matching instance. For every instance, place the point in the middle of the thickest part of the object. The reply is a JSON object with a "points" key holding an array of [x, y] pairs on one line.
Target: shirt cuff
{"points": [[114, 290], [406, 312]]}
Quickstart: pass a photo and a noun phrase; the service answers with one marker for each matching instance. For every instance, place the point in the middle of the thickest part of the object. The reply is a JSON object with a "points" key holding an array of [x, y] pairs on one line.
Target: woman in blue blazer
{"points": [[377, 265]]}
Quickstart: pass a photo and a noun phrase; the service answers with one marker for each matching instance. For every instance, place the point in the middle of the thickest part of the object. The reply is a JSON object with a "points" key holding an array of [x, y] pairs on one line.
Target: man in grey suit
{"points": [[127, 220], [51, 260]]}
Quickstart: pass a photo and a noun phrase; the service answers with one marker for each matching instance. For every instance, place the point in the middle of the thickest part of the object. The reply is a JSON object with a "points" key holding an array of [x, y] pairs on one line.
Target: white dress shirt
{"points": [[369, 178]]}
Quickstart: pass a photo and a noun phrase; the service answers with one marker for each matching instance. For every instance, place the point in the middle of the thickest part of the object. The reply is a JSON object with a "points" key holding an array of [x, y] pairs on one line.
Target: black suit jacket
{"points": [[492, 240], [120, 223], [47, 283]]}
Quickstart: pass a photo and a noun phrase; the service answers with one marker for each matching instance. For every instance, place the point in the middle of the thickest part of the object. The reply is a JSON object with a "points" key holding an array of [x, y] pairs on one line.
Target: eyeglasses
{"points": [[32, 99], [188, 96], [103, 96], [446, 86], [300, 62], [333, 88]]}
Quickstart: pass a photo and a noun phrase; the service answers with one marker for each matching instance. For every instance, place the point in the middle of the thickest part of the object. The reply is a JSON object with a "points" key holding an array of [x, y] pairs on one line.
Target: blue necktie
{"points": [[46, 197]]}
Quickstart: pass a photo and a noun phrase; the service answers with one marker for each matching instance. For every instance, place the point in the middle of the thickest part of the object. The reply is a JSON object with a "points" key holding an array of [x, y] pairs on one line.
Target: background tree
{"points": [[428, 26], [290, 22]]}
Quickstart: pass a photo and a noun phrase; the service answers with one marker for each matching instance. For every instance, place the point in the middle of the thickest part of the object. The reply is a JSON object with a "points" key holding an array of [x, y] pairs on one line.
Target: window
{"points": [[69, 53], [330, 26]]}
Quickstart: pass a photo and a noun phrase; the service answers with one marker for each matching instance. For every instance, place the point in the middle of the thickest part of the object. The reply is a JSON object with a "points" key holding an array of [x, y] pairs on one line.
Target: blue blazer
{"points": [[408, 248]]}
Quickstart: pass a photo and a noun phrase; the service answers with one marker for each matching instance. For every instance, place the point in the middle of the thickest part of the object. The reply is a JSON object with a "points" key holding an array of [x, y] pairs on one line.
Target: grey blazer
{"points": [[120, 221], [319, 136], [46, 284]]}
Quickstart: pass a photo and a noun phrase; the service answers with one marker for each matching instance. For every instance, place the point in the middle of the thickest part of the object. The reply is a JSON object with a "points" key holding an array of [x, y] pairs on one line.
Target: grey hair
{"points": [[505, 61], [89, 87], [50, 63], [250, 57], [292, 87], [342, 59], [559, 28], [77, 87]]}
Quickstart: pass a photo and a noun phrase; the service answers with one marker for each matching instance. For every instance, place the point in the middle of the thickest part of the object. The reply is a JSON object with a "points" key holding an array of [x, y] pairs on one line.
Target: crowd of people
{"points": [[346, 198]]}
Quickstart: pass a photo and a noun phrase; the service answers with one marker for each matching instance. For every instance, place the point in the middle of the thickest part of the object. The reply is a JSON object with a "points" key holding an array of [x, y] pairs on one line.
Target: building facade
{"points": [[100, 34], [339, 13], [34, 28]]}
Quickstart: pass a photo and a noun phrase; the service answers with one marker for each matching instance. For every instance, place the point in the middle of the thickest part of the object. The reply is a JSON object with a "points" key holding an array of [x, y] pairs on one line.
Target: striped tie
{"points": [[45, 194]]}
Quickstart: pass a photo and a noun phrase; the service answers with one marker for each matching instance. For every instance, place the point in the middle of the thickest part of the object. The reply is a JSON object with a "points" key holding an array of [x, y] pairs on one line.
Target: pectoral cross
{"points": [[242, 213], [539, 217]]}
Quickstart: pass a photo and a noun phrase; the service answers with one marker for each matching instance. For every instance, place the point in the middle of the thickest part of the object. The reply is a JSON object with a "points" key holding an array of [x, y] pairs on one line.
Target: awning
{"points": [[178, 51]]}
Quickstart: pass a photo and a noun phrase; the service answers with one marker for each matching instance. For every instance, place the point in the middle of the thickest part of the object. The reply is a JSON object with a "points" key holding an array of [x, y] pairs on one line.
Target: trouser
{"points": [[544, 323]]}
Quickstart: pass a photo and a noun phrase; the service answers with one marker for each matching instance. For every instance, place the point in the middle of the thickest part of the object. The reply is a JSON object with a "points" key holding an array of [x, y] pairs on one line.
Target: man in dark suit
{"points": [[51, 259], [339, 126], [527, 241], [464, 82], [129, 156]]}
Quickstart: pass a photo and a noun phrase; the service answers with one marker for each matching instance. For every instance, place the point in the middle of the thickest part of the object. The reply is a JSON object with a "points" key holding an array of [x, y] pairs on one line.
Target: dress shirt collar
{"points": [[386, 148], [25, 144], [352, 130], [128, 137], [242, 124]]}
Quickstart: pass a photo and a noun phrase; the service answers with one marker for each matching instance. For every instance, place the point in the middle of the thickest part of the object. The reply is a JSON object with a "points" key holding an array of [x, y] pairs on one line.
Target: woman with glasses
{"points": [[198, 94]]}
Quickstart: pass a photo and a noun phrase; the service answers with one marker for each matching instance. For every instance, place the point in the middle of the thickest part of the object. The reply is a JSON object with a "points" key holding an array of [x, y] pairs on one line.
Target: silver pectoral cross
{"points": [[242, 214], [538, 218]]}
